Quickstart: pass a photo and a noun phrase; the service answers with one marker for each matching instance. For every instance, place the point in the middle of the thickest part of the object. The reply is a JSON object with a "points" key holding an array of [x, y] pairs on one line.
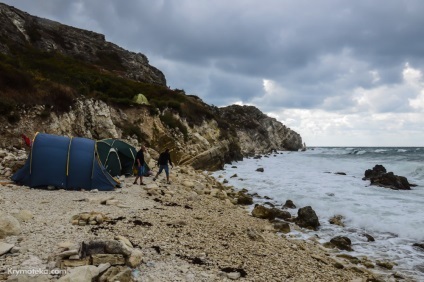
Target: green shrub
{"points": [[169, 120]]}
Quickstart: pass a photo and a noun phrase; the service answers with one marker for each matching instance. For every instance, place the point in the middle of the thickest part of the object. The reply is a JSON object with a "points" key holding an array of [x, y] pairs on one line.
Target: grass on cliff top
{"points": [[30, 76]]}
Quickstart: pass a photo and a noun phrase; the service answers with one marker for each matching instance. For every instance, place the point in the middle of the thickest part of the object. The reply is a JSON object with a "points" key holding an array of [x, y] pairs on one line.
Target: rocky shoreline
{"points": [[191, 230]]}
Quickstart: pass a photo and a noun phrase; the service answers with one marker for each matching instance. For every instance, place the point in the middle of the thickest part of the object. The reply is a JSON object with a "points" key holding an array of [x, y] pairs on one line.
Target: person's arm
{"points": [[170, 162]]}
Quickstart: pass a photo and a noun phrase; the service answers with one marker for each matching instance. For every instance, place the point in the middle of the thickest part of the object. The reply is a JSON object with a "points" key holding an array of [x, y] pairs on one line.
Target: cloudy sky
{"points": [[339, 72]]}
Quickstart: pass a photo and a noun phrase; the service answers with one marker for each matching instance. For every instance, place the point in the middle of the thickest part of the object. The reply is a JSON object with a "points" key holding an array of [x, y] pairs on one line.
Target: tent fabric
{"points": [[63, 162], [110, 149], [140, 99]]}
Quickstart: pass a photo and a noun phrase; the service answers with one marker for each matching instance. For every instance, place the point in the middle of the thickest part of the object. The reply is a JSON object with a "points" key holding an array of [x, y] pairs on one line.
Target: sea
{"points": [[395, 218]]}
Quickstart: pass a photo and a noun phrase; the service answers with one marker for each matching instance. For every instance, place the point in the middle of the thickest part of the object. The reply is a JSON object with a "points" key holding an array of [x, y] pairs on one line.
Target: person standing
{"points": [[139, 162], [164, 158]]}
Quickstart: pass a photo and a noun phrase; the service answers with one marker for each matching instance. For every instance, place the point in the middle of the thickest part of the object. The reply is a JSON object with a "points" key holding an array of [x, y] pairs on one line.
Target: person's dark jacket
{"points": [[164, 158]]}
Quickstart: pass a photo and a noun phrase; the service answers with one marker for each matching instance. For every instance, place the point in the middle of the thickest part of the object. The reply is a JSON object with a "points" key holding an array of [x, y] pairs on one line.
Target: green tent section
{"points": [[140, 99], [118, 157]]}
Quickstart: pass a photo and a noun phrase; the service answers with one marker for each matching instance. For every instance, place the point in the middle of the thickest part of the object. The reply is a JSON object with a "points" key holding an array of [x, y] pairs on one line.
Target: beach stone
{"points": [[8, 225], [244, 199], [105, 247], [112, 259], [233, 275], [124, 240], [342, 243], [123, 276], [385, 264], [24, 215], [111, 274], [281, 214], [289, 205], [5, 247], [337, 220], [283, 227], [67, 254], [263, 212], [81, 273], [135, 259], [307, 218], [103, 267]]}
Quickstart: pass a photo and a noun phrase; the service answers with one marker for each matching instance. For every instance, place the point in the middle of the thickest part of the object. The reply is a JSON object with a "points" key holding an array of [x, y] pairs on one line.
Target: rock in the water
{"points": [[289, 205], [307, 218], [337, 220], [369, 237], [260, 169], [281, 214], [379, 177]]}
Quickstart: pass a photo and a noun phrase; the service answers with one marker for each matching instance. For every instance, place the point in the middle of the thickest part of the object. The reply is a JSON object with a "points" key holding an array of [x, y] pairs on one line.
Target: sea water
{"points": [[395, 218]]}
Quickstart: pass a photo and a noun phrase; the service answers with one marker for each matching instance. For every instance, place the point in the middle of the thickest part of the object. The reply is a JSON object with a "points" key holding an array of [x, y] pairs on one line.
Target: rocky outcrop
{"points": [[24, 29], [259, 133], [379, 177]]}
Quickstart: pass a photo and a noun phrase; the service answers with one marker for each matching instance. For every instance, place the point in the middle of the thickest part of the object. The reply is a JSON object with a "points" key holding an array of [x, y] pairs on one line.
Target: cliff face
{"points": [[23, 29], [259, 133], [200, 135]]}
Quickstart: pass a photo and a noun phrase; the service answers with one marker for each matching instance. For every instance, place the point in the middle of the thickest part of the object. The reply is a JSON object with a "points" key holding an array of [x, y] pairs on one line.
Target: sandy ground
{"points": [[187, 231]]}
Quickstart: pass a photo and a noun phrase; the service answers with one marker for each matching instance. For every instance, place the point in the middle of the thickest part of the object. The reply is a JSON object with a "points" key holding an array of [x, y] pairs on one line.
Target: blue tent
{"points": [[63, 162]]}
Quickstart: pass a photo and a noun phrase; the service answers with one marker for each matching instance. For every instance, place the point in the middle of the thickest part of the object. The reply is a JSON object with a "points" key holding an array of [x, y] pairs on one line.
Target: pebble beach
{"points": [[190, 230]]}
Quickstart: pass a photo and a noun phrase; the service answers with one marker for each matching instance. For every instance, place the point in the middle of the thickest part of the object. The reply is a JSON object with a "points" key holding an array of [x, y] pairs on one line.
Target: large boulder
{"points": [[307, 218], [379, 177], [376, 171], [389, 180]]}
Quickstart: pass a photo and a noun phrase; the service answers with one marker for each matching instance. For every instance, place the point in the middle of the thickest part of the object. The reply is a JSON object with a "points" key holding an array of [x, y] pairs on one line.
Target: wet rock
{"points": [[342, 243], [385, 264], [307, 218], [289, 205], [337, 220], [379, 177], [281, 214], [263, 212], [369, 237], [376, 171], [419, 245], [260, 169], [244, 199]]}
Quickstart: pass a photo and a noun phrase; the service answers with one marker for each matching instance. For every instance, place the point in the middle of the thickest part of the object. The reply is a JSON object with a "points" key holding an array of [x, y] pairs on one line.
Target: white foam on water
{"points": [[394, 218]]}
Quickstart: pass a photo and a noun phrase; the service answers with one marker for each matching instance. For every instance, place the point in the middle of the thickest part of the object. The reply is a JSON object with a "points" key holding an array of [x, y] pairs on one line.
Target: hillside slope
{"points": [[63, 80]]}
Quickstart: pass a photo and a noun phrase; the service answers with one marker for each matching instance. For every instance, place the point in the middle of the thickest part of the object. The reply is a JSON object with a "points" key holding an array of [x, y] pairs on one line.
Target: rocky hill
{"points": [[63, 80], [21, 29]]}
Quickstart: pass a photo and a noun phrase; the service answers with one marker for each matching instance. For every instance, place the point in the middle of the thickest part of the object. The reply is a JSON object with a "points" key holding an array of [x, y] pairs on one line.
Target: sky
{"points": [[338, 72]]}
